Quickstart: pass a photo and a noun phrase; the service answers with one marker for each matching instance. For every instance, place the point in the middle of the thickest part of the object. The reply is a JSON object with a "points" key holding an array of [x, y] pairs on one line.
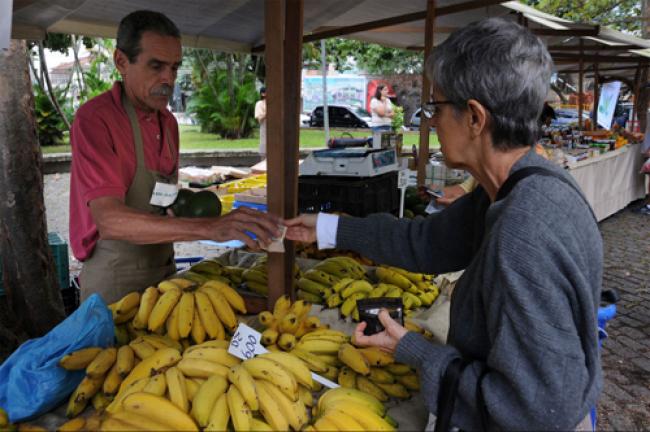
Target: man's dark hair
{"points": [[134, 24]]}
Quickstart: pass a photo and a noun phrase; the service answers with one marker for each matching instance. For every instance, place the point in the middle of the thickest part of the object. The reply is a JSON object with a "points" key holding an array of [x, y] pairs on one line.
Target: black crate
{"points": [[71, 296], [356, 196]]}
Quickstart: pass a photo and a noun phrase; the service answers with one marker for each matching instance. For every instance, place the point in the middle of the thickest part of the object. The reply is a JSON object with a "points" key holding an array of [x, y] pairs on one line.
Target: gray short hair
{"points": [[134, 24], [503, 66]]}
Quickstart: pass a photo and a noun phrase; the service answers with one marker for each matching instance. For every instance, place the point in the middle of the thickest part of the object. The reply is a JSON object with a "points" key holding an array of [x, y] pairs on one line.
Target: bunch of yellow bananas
{"points": [[181, 309], [372, 371], [415, 289], [286, 324], [105, 369], [316, 284], [349, 409], [256, 277], [207, 388]]}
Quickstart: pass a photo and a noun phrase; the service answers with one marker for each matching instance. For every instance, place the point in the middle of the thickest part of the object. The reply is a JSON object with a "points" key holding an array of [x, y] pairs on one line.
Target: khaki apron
{"points": [[117, 267]]}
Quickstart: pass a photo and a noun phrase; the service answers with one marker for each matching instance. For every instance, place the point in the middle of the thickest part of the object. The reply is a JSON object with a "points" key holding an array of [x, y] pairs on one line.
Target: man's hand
{"points": [[302, 228], [234, 225], [386, 340]]}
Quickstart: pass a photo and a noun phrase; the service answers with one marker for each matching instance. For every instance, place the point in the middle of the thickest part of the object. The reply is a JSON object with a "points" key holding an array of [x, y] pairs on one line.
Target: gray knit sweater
{"points": [[525, 308]]}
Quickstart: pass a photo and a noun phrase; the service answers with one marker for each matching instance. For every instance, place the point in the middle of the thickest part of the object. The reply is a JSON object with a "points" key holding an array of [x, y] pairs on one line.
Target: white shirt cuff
{"points": [[326, 227]]}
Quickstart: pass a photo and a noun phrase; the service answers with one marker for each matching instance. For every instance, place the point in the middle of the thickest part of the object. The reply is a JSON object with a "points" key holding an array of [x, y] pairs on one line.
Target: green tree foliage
{"points": [[346, 54], [621, 15], [49, 124], [225, 93]]}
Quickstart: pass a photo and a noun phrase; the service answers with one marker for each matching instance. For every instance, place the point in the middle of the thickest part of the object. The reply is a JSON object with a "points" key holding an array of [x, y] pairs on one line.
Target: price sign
{"points": [[245, 343]]}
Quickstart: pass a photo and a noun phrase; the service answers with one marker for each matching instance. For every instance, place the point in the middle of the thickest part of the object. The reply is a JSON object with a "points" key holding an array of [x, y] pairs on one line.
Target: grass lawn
{"points": [[193, 139]]}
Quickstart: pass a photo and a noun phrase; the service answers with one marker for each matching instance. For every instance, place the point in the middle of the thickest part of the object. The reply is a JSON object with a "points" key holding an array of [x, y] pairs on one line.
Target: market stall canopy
{"points": [[238, 25]]}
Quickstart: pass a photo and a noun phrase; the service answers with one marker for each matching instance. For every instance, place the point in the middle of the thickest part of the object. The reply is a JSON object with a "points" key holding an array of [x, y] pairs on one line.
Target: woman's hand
{"points": [[386, 340], [302, 228]]}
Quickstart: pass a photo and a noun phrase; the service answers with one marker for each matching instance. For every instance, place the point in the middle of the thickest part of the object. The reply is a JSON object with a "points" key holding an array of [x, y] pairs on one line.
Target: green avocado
{"points": [[204, 204], [182, 200]]}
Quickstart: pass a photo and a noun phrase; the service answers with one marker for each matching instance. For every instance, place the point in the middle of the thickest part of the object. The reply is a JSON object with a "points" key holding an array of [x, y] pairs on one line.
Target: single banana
{"points": [[142, 348], [258, 287], [309, 297], [379, 290], [157, 385], [270, 410], [112, 381], [367, 386], [160, 410], [102, 363], [209, 319], [305, 396], [124, 305], [333, 301], [242, 379], [347, 377], [265, 369], [79, 359], [191, 387], [240, 413], [87, 388], [321, 277], [185, 314], [198, 331], [253, 275], [136, 386], [351, 302], [324, 423], [311, 286], [259, 425], [292, 363], [368, 419], [292, 415], [287, 341], [221, 307], [341, 284], [381, 376], [156, 363], [281, 307], [289, 323], [313, 362], [220, 415], [267, 319], [211, 343], [125, 360], [128, 421], [318, 346], [163, 308], [232, 296], [192, 367], [376, 357], [343, 421], [205, 398], [100, 401], [76, 424], [159, 342], [301, 309], [269, 337], [166, 285], [184, 283], [359, 286], [395, 390], [331, 373], [410, 381], [398, 369], [147, 302], [215, 355], [177, 388]]}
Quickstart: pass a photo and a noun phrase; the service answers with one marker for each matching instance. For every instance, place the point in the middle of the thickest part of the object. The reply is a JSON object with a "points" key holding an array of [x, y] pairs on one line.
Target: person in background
{"points": [[260, 116], [548, 115], [381, 109], [645, 169], [125, 149], [523, 336]]}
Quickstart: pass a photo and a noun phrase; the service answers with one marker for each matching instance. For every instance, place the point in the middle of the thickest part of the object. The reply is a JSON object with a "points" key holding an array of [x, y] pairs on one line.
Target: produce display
{"points": [[339, 282], [170, 368]]}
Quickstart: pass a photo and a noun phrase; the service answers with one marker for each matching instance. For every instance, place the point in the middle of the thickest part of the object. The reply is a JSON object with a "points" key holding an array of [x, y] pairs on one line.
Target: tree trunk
{"points": [[643, 95], [29, 275], [50, 90], [80, 73]]}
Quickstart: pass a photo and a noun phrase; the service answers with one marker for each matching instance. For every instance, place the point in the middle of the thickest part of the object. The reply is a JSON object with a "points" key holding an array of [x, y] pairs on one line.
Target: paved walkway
{"points": [[625, 402]]}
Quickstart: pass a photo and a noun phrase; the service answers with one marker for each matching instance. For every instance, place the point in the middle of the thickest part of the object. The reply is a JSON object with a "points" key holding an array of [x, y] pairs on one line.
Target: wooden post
{"points": [[580, 84], [283, 36], [594, 125], [423, 152], [29, 275], [292, 86]]}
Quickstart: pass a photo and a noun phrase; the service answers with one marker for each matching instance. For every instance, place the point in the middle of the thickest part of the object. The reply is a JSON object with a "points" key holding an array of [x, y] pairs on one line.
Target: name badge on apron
{"points": [[164, 194]]}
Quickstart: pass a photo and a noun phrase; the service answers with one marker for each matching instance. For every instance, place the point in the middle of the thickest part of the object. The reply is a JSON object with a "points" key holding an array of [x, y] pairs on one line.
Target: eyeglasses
{"points": [[430, 108]]}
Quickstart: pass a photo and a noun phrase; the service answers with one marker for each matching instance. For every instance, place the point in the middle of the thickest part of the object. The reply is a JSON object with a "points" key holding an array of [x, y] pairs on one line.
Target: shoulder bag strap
{"points": [[447, 394]]}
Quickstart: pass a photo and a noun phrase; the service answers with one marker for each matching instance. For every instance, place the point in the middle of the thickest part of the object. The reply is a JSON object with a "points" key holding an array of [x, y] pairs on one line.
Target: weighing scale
{"points": [[350, 162]]}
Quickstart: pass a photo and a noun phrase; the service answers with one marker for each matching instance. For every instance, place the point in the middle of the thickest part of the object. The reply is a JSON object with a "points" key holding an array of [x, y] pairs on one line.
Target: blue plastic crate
{"points": [[60, 254], [260, 207]]}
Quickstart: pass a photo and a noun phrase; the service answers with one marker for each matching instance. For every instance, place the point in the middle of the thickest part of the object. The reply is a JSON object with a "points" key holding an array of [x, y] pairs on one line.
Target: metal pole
{"points": [[326, 117]]}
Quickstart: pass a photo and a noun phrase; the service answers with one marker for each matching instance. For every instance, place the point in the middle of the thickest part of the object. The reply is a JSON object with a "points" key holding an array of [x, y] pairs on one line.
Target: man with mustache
{"points": [[125, 152]]}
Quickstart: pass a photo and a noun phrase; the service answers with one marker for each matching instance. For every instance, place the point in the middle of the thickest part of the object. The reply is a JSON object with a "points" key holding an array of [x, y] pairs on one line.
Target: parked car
{"points": [[304, 120], [568, 116], [414, 123], [341, 116]]}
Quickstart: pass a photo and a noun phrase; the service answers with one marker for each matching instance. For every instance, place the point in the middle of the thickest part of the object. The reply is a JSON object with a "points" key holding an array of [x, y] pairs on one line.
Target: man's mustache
{"points": [[162, 90]]}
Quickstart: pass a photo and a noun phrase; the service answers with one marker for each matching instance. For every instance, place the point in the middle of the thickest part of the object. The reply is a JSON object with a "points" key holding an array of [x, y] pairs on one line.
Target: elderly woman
{"points": [[523, 315]]}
